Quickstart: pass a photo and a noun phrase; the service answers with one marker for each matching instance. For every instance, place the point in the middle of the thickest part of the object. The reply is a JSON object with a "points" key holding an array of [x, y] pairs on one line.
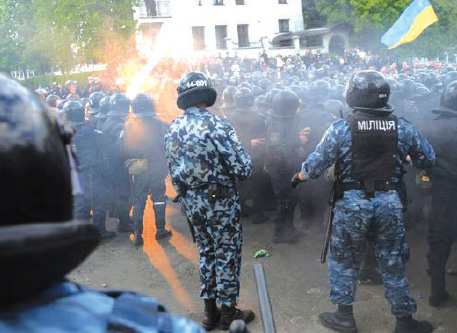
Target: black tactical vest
{"points": [[374, 146]]}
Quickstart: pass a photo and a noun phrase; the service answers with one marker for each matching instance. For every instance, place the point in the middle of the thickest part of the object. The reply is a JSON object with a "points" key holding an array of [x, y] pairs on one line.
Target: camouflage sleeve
{"points": [[324, 156], [172, 163], [232, 153], [418, 148]]}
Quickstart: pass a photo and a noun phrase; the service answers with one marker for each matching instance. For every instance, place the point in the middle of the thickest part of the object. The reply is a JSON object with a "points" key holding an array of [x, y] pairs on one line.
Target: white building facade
{"points": [[214, 27]]}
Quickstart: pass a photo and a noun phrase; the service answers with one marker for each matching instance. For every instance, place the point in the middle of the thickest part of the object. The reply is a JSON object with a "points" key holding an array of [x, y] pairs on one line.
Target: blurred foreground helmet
{"points": [[39, 242], [195, 89], [52, 100], [143, 106], [367, 89], [94, 101], [74, 112], [227, 97], [285, 103], [119, 105], [449, 98], [244, 99], [103, 108]]}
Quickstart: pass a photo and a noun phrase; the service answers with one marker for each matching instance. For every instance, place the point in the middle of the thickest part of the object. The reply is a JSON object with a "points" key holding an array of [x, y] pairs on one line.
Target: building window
{"points": [[151, 8], [221, 35], [243, 35], [239, 2], [283, 26], [199, 38], [282, 2], [218, 2]]}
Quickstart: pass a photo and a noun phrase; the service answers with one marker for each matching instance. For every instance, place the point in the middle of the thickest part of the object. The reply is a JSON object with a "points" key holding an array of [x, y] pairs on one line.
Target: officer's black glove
{"points": [[296, 180]]}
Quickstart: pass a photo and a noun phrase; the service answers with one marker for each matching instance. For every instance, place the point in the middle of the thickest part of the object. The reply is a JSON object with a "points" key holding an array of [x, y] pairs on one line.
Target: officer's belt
{"points": [[217, 190], [378, 186]]}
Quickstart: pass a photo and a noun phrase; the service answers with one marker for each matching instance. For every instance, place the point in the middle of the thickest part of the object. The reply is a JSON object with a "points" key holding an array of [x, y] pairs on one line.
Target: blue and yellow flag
{"points": [[415, 19]]}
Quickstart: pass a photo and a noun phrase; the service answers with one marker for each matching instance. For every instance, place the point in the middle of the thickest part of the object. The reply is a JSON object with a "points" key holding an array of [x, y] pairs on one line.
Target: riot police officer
{"points": [[147, 164], [94, 105], [250, 125], [102, 115], [369, 149], [41, 243], [113, 128], [443, 226], [283, 155], [89, 144], [205, 160]]}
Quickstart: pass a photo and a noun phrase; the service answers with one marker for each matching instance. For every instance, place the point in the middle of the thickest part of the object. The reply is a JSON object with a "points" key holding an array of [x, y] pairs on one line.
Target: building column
{"points": [[296, 40]]}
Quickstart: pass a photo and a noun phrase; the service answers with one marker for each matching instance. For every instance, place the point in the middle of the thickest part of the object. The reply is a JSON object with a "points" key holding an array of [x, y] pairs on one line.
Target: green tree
{"points": [[311, 16], [372, 18], [45, 34]]}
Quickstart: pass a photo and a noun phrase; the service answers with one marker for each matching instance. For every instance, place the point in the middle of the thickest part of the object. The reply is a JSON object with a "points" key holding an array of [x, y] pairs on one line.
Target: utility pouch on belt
{"points": [[136, 166], [216, 191]]}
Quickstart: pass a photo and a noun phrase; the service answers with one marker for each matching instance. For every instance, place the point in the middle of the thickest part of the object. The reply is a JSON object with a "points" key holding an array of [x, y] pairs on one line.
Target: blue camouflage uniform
{"points": [[68, 307], [355, 215], [203, 149]]}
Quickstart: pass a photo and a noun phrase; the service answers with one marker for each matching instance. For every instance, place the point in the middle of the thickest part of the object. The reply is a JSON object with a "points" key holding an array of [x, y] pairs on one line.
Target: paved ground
{"points": [[297, 281]]}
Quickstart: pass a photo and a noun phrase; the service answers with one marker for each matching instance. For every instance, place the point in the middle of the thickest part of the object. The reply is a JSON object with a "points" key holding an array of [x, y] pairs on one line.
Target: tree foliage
{"points": [[311, 16], [63, 33], [372, 18]]}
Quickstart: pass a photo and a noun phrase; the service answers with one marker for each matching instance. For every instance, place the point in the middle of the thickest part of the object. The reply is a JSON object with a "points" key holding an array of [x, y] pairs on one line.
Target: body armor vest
{"points": [[374, 146]]}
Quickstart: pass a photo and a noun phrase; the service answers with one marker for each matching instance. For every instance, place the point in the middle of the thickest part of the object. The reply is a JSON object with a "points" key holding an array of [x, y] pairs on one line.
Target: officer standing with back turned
{"points": [[369, 149], [205, 159]]}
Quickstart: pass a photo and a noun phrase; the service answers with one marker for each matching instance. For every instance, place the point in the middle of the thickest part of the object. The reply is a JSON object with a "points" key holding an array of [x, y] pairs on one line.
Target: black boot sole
{"points": [[337, 328], [246, 320]]}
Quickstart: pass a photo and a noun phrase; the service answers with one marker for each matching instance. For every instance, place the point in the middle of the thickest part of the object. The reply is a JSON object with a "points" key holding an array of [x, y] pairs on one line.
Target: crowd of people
{"points": [[272, 114]]}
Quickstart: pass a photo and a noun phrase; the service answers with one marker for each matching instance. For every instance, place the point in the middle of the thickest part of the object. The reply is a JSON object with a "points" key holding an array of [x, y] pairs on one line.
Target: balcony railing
{"points": [[153, 9]]}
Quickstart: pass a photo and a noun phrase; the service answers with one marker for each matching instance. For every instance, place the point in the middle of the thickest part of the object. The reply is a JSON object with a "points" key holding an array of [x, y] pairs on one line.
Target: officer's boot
{"points": [[290, 226], [99, 222], [410, 325], [125, 224], [438, 294], [139, 232], [283, 232], [159, 213], [341, 321], [229, 314], [212, 315]]}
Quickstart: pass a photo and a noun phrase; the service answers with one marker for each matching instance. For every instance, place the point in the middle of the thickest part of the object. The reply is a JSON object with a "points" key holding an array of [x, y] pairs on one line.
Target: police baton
{"points": [[264, 300]]}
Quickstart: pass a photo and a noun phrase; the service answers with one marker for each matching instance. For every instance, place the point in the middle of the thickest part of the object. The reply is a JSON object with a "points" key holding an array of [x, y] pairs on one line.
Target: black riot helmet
{"points": [[103, 108], [285, 104], [74, 112], [143, 106], [34, 188], [367, 90], [37, 235], [227, 97], [94, 101], [52, 100], [319, 90], [195, 89], [449, 98], [119, 105], [244, 99]]}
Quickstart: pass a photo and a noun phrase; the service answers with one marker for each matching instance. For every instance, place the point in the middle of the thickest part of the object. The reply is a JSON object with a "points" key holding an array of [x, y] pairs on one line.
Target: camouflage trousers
{"points": [[380, 221], [218, 231]]}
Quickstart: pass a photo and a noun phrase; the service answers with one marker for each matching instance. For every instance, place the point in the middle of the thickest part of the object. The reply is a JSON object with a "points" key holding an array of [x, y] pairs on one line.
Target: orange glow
{"points": [[159, 258]]}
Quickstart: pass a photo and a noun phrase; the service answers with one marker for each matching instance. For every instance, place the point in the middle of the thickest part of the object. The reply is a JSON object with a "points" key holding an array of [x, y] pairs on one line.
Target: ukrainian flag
{"points": [[414, 20]]}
